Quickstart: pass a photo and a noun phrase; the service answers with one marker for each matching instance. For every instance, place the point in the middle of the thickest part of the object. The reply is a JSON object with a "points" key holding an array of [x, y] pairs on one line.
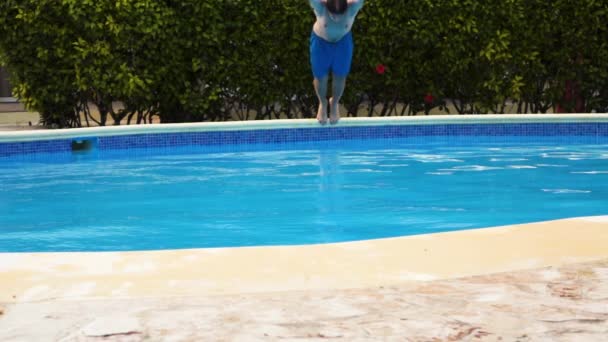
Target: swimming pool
{"points": [[289, 183]]}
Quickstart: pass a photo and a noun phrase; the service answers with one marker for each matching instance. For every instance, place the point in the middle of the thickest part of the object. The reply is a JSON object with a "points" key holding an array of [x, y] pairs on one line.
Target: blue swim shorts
{"points": [[335, 57]]}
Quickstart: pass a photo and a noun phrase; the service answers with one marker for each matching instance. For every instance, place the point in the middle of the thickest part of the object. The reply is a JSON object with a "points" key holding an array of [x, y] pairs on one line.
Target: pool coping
{"points": [[33, 135], [31, 277]]}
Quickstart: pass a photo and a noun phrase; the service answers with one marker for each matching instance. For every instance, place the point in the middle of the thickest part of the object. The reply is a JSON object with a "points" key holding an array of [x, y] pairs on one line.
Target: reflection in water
{"points": [[330, 197], [330, 213]]}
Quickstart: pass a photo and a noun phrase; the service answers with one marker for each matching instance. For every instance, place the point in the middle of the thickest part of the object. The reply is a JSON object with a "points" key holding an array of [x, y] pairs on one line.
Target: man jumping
{"points": [[331, 49]]}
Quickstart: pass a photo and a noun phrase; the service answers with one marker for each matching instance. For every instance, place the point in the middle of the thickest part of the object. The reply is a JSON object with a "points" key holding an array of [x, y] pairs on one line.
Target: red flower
{"points": [[380, 69], [429, 98]]}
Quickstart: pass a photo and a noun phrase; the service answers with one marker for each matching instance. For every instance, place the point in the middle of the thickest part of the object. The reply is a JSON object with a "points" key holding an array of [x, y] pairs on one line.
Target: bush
{"points": [[201, 60]]}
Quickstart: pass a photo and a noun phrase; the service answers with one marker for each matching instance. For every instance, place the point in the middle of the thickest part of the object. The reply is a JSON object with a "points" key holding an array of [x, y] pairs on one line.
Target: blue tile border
{"points": [[289, 135], [236, 138], [30, 147]]}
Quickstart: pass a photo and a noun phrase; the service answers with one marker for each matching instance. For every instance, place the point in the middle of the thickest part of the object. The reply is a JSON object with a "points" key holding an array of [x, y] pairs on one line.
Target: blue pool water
{"points": [[308, 193]]}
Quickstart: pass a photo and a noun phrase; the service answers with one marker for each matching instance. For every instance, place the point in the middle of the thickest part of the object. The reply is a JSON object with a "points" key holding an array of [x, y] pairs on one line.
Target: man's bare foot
{"points": [[335, 111], [322, 113]]}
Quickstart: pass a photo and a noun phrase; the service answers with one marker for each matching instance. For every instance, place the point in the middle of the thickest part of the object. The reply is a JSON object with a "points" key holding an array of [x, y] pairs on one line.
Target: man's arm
{"points": [[354, 5], [317, 5]]}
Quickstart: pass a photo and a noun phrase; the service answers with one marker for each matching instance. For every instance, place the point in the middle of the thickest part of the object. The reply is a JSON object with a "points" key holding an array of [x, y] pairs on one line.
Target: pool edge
{"points": [[34, 135], [27, 277]]}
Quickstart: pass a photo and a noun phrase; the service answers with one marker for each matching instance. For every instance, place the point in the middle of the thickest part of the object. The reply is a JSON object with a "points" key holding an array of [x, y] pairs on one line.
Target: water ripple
{"points": [[566, 191]]}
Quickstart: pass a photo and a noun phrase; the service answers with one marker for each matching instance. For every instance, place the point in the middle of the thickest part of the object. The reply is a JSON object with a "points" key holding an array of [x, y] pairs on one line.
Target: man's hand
{"points": [[355, 4]]}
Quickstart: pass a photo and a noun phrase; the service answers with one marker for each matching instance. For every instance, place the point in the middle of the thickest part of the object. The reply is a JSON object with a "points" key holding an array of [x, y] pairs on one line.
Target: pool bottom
{"points": [[27, 277]]}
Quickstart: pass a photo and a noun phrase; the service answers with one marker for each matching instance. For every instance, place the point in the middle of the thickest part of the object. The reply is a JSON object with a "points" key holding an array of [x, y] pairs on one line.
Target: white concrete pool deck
{"points": [[44, 134]]}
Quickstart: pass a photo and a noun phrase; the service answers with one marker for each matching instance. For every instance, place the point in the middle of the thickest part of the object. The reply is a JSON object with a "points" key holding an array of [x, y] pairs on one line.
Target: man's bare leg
{"points": [[338, 84], [321, 90]]}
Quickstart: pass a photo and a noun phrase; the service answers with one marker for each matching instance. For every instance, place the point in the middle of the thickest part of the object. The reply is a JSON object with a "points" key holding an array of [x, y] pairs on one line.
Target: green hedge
{"points": [[200, 60]]}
